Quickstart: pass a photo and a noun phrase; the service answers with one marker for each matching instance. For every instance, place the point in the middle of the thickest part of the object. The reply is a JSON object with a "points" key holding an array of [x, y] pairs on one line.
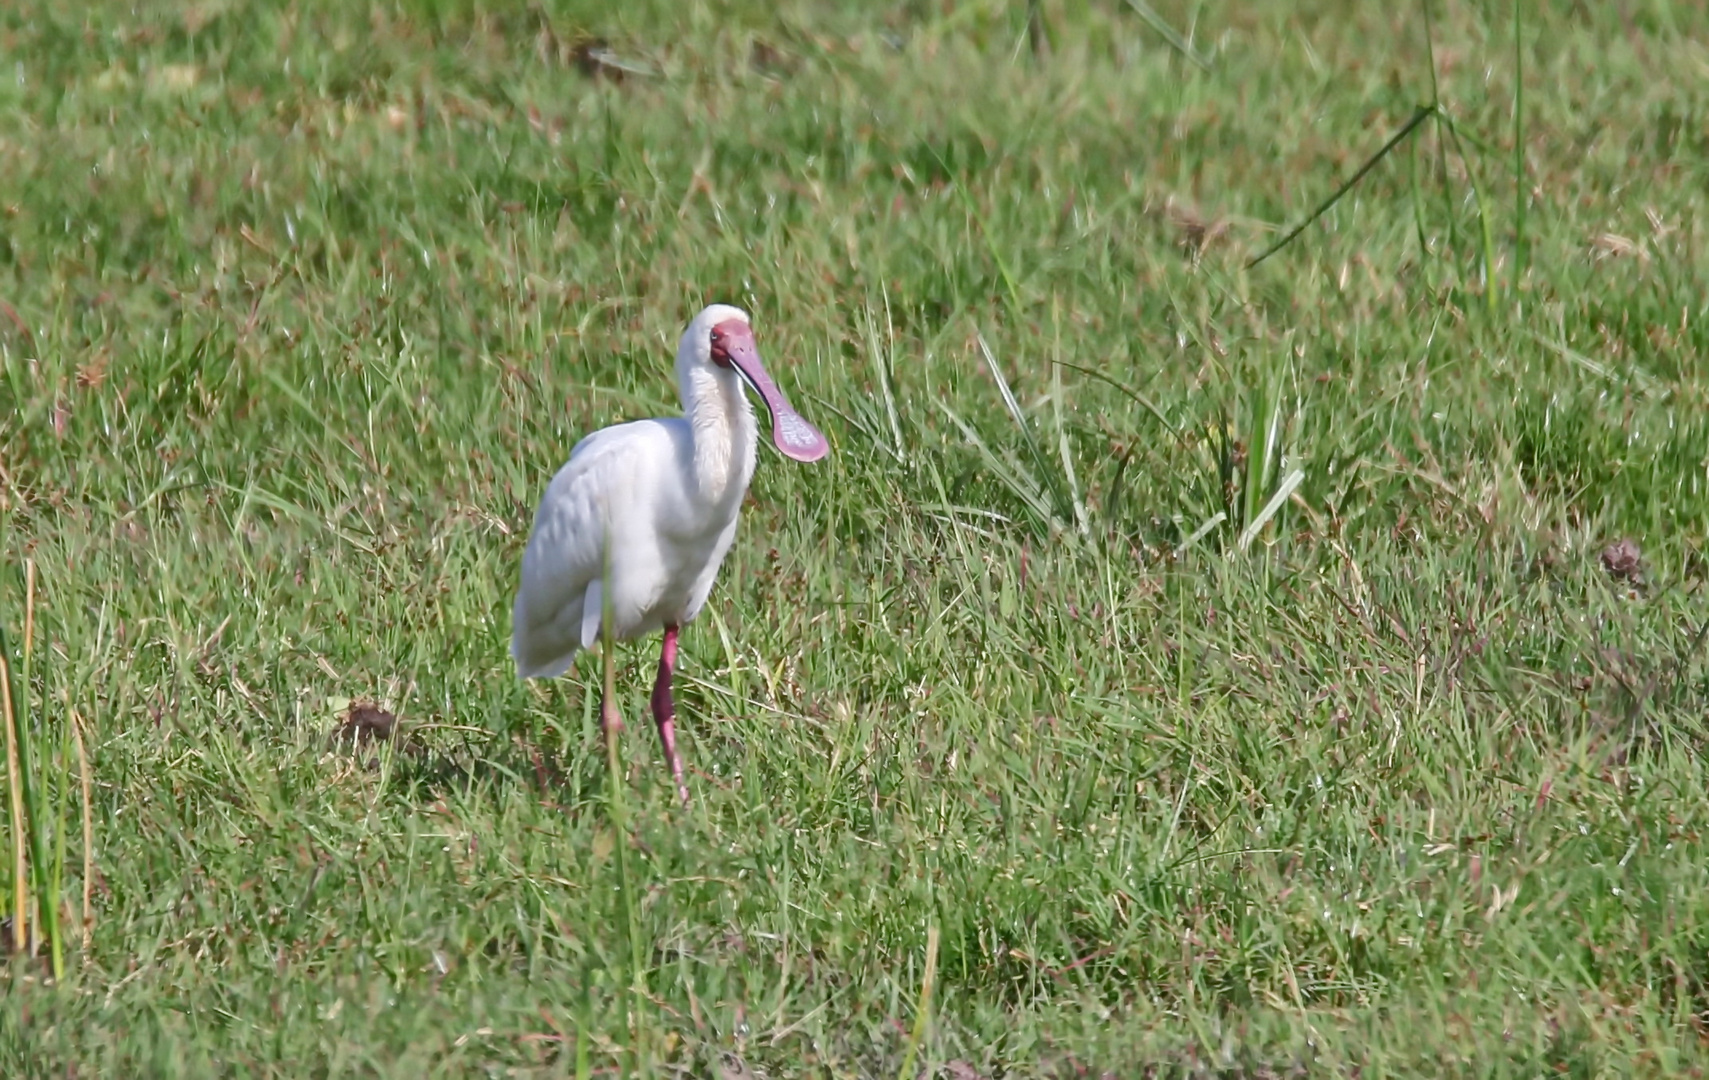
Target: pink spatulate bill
{"points": [[791, 433]]}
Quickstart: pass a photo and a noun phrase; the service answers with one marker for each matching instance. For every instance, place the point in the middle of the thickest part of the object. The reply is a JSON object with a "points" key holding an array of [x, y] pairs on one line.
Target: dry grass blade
{"points": [[1201, 532], [1009, 400], [1286, 488], [596, 59], [922, 1006]]}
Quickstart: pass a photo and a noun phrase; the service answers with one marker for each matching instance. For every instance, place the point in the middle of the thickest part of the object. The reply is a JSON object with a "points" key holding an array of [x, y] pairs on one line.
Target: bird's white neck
{"points": [[725, 435]]}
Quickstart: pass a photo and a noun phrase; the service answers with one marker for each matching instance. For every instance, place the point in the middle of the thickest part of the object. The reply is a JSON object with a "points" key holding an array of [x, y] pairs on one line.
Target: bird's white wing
{"points": [[566, 550]]}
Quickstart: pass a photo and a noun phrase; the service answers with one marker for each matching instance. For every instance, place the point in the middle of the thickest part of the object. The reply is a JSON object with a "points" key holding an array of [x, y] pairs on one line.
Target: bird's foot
{"points": [[664, 715], [664, 711]]}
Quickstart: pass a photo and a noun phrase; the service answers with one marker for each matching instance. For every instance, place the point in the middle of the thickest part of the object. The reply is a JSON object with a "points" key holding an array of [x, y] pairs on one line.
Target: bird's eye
{"points": [[720, 352]]}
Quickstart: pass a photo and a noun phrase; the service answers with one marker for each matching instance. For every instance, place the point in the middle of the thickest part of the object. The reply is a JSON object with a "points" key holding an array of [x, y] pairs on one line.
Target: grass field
{"points": [[1010, 757]]}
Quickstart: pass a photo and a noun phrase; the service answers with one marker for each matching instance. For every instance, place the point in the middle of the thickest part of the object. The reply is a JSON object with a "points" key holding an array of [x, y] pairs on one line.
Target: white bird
{"points": [[639, 519]]}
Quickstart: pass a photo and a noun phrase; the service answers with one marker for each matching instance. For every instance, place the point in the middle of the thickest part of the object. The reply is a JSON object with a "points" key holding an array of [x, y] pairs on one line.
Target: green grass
{"points": [[305, 303]]}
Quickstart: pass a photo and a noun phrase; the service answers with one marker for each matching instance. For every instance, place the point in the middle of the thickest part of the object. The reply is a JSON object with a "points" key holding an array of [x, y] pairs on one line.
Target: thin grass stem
{"points": [[87, 785], [1486, 227], [922, 1006], [20, 826], [617, 816], [1081, 520], [1419, 115], [1519, 194]]}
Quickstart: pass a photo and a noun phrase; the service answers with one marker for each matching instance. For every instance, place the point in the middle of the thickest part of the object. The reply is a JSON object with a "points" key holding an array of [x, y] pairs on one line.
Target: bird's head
{"points": [[720, 339]]}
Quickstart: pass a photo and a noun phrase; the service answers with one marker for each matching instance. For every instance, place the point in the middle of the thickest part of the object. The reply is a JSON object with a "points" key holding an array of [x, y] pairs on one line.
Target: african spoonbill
{"points": [[639, 519]]}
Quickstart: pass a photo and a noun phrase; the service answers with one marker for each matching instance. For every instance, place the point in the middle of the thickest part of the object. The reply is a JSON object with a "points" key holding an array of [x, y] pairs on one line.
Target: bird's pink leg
{"points": [[664, 710]]}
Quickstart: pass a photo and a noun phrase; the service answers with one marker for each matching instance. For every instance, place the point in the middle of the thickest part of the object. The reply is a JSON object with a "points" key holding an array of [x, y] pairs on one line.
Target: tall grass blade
{"points": [[88, 787], [1168, 33], [1261, 452], [922, 1006], [29, 820], [617, 819], [1073, 480], [1051, 485], [883, 357], [56, 870], [1081, 520], [1037, 36], [1430, 52], [1486, 225], [27, 776], [29, 618], [1009, 400], [1012, 474], [20, 823], [45, 875], [1448, 215], [1519, 194], [1417, 193], [1419, 115]]}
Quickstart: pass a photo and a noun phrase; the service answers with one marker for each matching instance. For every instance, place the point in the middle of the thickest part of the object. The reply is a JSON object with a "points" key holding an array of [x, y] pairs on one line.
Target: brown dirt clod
{"points": [[1623, 560]]}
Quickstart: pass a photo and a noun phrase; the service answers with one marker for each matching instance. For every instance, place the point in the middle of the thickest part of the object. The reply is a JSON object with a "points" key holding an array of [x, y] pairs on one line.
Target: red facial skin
{"points": [[732, 346], [731, 335]]}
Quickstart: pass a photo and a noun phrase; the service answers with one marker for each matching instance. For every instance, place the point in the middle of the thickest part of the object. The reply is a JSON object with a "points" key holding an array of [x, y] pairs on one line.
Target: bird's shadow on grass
{"points": [[560, 767], [423, 766], [567, 781]]}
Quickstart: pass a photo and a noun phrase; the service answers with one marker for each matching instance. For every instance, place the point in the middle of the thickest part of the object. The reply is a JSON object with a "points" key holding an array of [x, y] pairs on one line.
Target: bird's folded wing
{"points": [[602, 487], [566, 552]]}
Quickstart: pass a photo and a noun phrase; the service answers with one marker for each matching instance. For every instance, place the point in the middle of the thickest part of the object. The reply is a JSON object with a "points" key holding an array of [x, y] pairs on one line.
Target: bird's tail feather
{"points": [[545, 669], [543, 651]]}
